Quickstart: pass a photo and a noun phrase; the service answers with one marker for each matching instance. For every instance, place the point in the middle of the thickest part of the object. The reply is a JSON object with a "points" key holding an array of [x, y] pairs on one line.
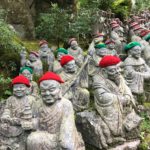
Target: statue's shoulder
{"points": [[66, 103], [130, 61]]}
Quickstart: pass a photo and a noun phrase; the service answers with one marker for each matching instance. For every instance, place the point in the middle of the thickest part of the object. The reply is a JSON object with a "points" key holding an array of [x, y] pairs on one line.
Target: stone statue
{"points": [[136, 70], [57, 68], [75, 51], [113, 124], [78, 93], [23, 55], [110, 43], [100, 52], [97, 39], [46, 55], [35, 63], [28, 73], [117, 35], [56, 129], [17, 120]]}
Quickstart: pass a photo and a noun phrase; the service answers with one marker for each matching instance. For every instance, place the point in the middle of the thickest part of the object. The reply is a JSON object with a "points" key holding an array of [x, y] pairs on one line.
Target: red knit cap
{"points": [[113, 22], [109, 60], [42, 42], [115, 26], [65, 59], [70, 40], [35, 53], [51, 76], [109, 41], [137, 28], [133, 24], [98, 35], [21, 80], [144, 32]]}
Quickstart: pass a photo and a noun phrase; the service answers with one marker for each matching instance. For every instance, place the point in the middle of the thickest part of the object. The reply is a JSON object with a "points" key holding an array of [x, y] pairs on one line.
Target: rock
{"points": [[87, 123], [93, 132], [133, 145]]}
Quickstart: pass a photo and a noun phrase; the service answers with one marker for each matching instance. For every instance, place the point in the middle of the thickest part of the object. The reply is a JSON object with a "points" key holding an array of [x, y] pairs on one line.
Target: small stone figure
{"points": [[100, 52], [112, 124], [110, 43], [18, 116], [46, 55], [97, 39], [57, 128], [77, 93], [75, 51], [28, 73], [57, 68], [35, 63], [136, 70]]}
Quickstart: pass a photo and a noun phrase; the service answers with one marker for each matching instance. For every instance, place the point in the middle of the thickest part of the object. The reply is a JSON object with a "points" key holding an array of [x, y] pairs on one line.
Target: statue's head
{"points": [[110, 67], [61, 52], [44, 49], [74, 45], [68, 63], [115, 27], [98, 38], [50, 87], [27, 72], [101, 50], [33, 56], [137, 29], [110, 44], [134, 49], [20, 86]]}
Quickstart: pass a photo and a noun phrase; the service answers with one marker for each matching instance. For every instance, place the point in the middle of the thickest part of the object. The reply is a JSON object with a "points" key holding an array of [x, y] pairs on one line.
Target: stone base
{"points": [[90, 125], [132, 145]]}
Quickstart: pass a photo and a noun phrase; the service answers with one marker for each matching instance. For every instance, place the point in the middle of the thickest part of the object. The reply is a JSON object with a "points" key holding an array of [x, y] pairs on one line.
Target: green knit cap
{"points": [[26, 68], [62, 50], [131, 45], [99, 46], [147, 37]]}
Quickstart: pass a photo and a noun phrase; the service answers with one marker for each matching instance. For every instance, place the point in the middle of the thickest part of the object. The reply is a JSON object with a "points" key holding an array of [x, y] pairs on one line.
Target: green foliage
{"points": [[121, 8], [10, 45], [5, 87], [142, 4], [145, 132], [60, 25]]}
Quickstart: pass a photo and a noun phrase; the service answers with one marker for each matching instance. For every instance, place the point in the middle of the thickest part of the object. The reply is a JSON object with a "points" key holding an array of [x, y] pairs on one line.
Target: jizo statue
{"points": [[17, 120], [28, 73], [75, 51], [136, 70], [77, 93], [112, 96], [57, 68], [100, 51], [56, 129], [46, 55]]}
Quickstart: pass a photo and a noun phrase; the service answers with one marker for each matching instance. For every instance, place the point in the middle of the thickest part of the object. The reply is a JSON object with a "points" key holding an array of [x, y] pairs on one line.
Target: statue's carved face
{"points": [[27, 74], [44, 50], [113, 72], [98, 39], [70, 67], [101, 52], [32, 57], [20, 90], [74, 45], [135, 52], [111, 46], [50, 91]]}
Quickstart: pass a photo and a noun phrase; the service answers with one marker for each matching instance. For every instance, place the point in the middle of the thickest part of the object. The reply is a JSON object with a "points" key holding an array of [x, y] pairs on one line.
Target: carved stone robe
{"points": [[56, 128]]}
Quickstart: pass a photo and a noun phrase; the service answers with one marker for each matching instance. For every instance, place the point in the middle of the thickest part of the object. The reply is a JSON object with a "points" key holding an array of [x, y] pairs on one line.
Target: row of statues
{"points": [[100, 93]]}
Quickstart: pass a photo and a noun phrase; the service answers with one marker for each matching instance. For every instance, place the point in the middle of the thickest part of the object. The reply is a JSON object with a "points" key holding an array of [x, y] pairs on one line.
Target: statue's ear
{"points": [[104, 72]]}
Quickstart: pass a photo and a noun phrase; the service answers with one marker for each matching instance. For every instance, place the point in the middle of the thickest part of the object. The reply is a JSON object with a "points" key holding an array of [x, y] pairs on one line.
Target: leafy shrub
{"points": [[5, 89]]}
